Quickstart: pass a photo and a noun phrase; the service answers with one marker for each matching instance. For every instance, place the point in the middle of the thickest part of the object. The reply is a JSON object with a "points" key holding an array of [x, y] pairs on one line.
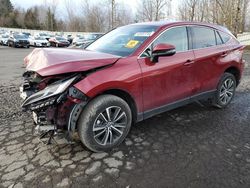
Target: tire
{"points": [[57, 45], [225, 91], [94, 125]]}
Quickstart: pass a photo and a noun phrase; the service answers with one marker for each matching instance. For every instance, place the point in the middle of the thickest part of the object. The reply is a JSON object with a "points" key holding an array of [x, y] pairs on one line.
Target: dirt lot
{"points": [[193, 146]]}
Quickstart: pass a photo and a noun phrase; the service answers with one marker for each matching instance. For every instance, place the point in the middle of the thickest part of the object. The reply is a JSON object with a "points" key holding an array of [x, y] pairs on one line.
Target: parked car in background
{"points": [[93, 36], [2, 31], [83, 41], [43, 35], [39, 42], [79, 41], [75, 39], [70, 38], [130, 74], [28, 35], [59, 42], [18, 40], [4, 39]]}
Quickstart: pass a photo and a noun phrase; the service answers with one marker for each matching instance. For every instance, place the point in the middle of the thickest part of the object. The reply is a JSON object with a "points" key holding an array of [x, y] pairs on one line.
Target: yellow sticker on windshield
{"points": [[132, 43]]}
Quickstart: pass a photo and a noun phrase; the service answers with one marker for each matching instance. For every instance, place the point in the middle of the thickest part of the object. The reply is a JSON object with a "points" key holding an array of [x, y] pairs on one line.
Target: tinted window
{"points": [[218, 38], [203, 37], [225, 37], [176, 36]]}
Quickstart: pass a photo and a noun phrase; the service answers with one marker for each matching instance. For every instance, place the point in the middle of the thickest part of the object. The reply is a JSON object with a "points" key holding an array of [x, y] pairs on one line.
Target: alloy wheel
{"points": [[227, 91], [110, 125]]}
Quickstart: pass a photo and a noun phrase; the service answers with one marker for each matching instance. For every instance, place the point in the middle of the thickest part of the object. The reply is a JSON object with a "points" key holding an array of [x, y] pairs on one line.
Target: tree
{"points": [[153, 10], [51, 20], [230, 13], [31, 18], [5, 7]]}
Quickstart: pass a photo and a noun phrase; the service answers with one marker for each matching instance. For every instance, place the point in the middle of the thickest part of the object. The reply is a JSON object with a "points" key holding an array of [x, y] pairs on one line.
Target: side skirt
{"points": [[174, 105]]}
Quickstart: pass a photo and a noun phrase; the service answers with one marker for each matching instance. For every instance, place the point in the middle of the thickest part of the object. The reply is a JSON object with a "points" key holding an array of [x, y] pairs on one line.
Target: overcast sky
{"points": [[133, 4]]}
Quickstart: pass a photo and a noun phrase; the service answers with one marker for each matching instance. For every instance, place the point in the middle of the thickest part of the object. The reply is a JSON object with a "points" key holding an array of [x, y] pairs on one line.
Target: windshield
{"points": [[20, 37], [123, 41], [39, 38], [60, 38], [43, 34]]}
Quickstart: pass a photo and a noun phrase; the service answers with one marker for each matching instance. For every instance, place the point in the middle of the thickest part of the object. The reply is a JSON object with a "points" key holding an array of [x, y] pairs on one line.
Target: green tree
{"points": [[31, 19], [51, 22], [5, 7]]}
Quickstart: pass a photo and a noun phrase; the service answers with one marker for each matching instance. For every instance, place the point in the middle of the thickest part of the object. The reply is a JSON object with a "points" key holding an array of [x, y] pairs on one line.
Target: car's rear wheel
{"points": [[225, 91], [104, 123]]}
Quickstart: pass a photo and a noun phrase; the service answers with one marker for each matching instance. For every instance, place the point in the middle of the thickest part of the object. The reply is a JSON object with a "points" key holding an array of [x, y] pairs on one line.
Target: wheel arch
{"points": [[235, 71], [127, 98]]}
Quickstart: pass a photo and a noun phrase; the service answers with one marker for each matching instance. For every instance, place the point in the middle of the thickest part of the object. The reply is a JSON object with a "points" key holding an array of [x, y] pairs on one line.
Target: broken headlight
{"points": [[50, 91]]}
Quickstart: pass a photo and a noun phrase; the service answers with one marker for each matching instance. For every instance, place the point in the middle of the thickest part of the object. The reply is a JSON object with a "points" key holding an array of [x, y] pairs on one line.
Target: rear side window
{"points": [[175, 36], [225, 37], [203, 37], [218, 38]]}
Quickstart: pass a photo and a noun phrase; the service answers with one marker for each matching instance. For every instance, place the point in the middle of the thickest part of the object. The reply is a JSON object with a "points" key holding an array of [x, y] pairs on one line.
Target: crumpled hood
{"points": [[52, 61]]}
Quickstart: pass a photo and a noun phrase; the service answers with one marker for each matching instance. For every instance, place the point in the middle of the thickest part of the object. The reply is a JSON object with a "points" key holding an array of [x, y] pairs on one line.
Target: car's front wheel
{"points": [[225, 90], [104, 123]]}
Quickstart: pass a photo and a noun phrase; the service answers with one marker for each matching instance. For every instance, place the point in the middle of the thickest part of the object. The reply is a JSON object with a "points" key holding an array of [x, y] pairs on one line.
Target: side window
{"points": [[203, 37], [175, 36], [218, 38], [225, 37]]}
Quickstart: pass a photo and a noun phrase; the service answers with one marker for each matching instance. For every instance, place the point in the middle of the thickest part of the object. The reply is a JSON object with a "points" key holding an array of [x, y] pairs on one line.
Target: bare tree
{"points": [[153, 10], [231, 13], [94, 16]]}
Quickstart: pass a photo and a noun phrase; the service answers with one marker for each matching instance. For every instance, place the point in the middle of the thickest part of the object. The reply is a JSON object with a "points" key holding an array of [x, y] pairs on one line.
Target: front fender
{"points": [[122, 76]]}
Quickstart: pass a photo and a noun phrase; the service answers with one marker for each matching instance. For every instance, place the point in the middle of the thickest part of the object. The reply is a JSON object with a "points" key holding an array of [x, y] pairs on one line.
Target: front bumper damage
{"points": [[55, 108]]}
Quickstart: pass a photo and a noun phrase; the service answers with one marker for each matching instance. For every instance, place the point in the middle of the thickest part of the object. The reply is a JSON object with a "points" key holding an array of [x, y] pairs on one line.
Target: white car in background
{"points": [[43, 35], [38, 41], [4, 39]]}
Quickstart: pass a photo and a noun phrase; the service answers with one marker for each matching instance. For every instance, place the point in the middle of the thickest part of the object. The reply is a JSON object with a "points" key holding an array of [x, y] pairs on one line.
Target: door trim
{"points": [[150, 113]]}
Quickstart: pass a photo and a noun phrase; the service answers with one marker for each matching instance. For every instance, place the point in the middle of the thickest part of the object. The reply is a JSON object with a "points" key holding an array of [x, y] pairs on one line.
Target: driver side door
{"points": [[170, 81]]}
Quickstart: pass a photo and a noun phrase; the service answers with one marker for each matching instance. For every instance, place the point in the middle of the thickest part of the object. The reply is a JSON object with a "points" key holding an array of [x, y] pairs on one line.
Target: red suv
{"points": [[128, 75]]}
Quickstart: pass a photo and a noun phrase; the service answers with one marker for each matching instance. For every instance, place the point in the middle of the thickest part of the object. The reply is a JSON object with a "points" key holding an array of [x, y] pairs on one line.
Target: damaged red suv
{"points": [[128, 75]]}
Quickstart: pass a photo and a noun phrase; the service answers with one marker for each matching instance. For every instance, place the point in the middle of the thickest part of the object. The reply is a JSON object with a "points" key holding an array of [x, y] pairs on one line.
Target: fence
{"points": [[32, 32]]}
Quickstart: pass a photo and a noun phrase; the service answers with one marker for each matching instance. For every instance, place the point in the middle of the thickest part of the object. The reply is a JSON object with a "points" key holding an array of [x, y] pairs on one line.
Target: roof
{"points": [[170, 23]]}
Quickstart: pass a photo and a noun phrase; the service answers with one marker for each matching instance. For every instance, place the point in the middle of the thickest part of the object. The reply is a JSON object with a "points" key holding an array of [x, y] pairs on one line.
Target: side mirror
{"points": [[161, 50]]}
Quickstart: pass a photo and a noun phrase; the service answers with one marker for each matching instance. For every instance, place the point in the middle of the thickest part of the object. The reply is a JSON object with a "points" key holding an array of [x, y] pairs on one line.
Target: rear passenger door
{"points": [[209, 52]]}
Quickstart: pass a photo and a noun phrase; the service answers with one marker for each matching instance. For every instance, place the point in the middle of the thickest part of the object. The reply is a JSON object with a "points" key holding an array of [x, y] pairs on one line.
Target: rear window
{"points": [[203, 37], [225, 37]]}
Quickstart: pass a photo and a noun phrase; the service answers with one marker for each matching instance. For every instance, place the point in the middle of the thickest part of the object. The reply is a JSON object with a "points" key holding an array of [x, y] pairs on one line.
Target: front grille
{"points": [[23, 42]]}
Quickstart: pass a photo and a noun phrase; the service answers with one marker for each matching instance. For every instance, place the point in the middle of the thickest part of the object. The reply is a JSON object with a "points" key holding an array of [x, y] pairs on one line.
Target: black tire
{"points": [[90, 115], [218, 99]]}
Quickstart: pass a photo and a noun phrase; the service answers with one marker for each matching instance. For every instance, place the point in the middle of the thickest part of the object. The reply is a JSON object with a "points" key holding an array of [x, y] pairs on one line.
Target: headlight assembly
{"points": [[50, 91]]}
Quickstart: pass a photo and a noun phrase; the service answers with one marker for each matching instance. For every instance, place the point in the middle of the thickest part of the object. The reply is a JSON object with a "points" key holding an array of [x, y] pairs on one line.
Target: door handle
{"points": [[188, 62]]}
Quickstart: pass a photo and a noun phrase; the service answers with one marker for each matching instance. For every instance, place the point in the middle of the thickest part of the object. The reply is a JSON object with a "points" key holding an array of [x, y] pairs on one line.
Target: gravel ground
{"points": [[193, 146]]}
